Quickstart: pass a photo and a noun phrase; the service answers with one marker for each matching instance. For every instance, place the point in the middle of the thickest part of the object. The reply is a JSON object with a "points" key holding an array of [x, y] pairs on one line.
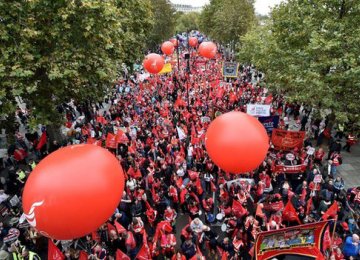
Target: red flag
{"points": [[95, 236], [42, 141], [121, 256], [110, 227], [121, 137], [237, 209], [327, 239], [308, 206], [331, 212], [197, 255], [120, 229], [213, 186], [54, 253], [83, 255], [289, 213], [144, 253], [111, 141]]}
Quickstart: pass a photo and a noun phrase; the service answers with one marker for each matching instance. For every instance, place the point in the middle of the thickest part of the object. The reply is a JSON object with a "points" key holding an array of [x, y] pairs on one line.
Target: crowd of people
{"points": [[177, 204]]}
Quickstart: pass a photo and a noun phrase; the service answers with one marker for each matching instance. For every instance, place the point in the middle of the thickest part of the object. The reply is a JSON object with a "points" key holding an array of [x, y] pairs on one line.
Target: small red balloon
{"points": [[167, 48], [236, 142], [153, 63], [73, 191], [174, 41], [208, 49], [193, 41]]}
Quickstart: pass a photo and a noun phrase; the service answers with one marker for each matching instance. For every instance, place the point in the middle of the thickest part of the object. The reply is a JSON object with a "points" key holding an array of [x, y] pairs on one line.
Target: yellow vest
{"points": [[33, 165], [19, 256], [21, 174]]}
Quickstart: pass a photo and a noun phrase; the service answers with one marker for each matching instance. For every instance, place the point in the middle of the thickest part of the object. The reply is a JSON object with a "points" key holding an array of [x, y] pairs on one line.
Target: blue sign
{"points": [[269, 122]]}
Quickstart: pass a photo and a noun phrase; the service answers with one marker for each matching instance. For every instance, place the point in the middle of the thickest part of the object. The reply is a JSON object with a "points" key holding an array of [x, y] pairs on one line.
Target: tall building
{"points": [[186, 8]]}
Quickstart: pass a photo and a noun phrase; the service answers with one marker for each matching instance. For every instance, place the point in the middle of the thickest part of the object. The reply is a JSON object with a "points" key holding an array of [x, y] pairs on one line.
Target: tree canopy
{"points": [[227, 20], [309, 50], [55, 51], [187, 22], [164, 22]]}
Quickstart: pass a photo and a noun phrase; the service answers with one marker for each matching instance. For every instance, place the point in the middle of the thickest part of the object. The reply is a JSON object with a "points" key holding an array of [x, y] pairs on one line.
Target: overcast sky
{"points": [[261, 6]]}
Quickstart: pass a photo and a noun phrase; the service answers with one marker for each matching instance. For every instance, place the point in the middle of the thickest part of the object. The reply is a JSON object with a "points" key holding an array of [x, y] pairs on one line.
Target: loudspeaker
{"points": [[187, 56]]}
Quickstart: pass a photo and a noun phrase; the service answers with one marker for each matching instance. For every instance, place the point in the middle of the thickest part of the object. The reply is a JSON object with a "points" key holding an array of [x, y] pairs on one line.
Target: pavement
{"points": [[350, 168]]}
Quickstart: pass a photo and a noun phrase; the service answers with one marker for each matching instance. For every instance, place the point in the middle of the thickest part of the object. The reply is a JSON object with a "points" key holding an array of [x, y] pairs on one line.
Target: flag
{"points": [[42, 141], [144, 253], [198, 254], [237, 209], [326, 244], [110, 227], [308, 206], [121, 137], [289, 213], [121, 256], [83, 255], [111, 141], [120, 229], [331, 212], [95, 236], [181, 133], [54, 253]]}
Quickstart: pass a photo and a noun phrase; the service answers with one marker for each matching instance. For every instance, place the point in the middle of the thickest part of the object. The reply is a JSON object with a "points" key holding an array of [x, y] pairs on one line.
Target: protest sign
{"points": [[230, 69], [299, 240], [258, 110], [269, 122], [287, 140]]}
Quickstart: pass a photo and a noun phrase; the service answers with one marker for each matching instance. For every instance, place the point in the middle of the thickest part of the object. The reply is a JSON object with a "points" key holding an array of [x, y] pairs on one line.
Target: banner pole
{"points": [[333, 232]]}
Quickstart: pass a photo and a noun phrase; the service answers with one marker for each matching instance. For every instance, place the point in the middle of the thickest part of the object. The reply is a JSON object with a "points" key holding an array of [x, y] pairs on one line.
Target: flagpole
{"points": [[333, 232]]}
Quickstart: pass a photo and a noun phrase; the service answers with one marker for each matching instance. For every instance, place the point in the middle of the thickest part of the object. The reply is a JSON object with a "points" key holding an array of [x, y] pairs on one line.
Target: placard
{"points": [[258, 110], [287, 140], [230, 69], [269, 122]]}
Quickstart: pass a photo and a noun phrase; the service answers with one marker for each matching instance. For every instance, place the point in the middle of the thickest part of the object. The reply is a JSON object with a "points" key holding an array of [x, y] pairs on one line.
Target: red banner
{"points": [[290, 168], [287, 140], [302, 240]]}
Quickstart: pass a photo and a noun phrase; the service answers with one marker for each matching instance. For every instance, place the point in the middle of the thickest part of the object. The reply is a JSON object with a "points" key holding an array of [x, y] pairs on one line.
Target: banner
{"points": [[290, 168], [230, 69], [166, 69], [302, 240], [258, 110], [269, 122], [287, 140]]}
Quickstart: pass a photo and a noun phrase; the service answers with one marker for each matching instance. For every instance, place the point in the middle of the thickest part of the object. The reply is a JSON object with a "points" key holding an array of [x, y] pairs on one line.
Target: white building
{"points": [[186, 8]]}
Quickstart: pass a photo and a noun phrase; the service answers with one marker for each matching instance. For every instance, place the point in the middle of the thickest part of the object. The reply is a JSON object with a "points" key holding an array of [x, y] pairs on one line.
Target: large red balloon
{"points": [[193, 41], [153, 63], [167, 48], [236, 142], [208, 49], [174, 41], [73, 191]]}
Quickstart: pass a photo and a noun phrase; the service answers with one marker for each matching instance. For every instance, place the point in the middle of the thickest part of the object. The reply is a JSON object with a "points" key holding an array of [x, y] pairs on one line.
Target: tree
{"points": [[226, 20], [310, 50], [187, 22], [164, 26], [55, 51]]}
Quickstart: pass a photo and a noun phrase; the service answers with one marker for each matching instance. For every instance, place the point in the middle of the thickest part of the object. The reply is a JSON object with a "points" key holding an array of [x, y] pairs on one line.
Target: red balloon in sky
{"points": [[174, 41], [208, 49], [167, 48], [236, 142], [73, 191], [153, 63], [193, 41]]}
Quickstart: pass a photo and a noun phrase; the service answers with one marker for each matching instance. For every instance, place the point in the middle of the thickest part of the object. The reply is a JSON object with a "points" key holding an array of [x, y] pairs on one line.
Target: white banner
{"points": [[258, 110], [181, 133]]}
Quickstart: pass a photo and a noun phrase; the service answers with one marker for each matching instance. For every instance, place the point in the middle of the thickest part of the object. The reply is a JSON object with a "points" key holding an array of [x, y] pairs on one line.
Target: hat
{"points": [[345, 226]]}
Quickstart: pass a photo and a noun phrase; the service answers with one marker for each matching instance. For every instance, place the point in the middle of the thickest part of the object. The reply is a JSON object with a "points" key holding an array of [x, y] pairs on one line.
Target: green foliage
{"points": [[165, 21], [310, 51], [226, 20], [187, 22], [55, 51]]}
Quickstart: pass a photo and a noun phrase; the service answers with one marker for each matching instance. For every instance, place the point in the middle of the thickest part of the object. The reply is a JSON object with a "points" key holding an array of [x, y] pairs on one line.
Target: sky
{"points": [[261, 6]]}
